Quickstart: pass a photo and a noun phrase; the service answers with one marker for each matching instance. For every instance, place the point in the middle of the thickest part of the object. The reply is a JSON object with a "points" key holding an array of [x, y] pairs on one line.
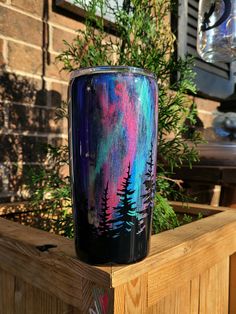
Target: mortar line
{"points": [[18, 41], [64, 28], [12, 8], [8, 102], [36, 76], [5, 51], [34, 134]]}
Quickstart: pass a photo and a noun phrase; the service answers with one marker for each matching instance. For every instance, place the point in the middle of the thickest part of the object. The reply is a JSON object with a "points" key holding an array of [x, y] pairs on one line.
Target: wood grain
{"points": [[119, 300], [55, 271], [191, 208], [199, 256], [6, 292], [232, 285], [194, 295], [19, 297], [214, 285], [136, 295], [87, 295], [184, 243], [177, 302]]}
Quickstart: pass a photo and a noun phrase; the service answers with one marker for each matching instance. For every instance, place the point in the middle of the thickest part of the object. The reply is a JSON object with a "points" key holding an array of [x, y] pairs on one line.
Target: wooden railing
{"points": [[191, 269]]}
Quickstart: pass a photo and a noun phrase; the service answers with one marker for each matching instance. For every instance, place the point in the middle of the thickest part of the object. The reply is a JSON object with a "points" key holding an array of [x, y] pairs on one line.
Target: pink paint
{"points": [[108, 110], [110, 113], [130, 123]]}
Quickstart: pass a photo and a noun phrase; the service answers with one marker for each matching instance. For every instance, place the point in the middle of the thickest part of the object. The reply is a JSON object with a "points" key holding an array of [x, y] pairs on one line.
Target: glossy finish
{"points": [[113, 141], [217, 30]]}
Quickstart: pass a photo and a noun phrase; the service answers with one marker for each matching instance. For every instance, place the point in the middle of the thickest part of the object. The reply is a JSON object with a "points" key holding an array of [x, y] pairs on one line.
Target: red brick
{"points": [[61, 19], [24, 58], [35, 7], [19, 26], [58, 37], [54, 70]]}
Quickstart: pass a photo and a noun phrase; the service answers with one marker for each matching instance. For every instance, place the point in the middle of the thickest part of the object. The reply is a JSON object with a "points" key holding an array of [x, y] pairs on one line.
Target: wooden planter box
{"points": [[191, 269]]}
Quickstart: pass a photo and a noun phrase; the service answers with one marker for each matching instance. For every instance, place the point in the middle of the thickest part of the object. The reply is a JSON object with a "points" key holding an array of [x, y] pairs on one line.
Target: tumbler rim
{"points": [[110, 69]]}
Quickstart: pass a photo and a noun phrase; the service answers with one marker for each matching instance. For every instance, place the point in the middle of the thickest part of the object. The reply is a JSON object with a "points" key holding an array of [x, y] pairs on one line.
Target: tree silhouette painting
{"points": [[149, 190], [125, 212], [104, 215]]}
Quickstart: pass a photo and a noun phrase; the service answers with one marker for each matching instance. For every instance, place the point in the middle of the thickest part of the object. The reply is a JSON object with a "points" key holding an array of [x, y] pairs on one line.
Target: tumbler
{"points": [[113, 146]]}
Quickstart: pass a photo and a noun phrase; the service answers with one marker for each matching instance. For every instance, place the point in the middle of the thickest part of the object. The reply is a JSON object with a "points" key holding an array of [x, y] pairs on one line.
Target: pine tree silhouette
{"points": [[103, 215], [149, 189], [125, 212]]}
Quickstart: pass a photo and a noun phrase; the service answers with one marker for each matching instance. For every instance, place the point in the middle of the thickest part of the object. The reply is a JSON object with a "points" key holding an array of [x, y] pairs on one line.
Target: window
{"points": [[220, 83], [76, 8]]}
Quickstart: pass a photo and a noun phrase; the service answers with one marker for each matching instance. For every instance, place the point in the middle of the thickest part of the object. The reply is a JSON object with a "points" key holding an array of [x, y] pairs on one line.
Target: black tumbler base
{"points": [[105, 260]]}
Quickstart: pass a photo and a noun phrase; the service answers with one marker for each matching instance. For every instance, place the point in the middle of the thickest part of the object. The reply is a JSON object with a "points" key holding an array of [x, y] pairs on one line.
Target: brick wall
{"points": [[32, 86]]}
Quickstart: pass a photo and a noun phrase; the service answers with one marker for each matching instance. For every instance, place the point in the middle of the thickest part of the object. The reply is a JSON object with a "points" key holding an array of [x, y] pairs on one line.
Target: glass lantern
{"points": [[216, 40]]}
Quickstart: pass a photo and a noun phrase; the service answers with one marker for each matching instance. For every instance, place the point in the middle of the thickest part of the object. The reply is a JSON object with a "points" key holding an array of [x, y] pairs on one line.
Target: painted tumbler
{"points": [[113, 145]]}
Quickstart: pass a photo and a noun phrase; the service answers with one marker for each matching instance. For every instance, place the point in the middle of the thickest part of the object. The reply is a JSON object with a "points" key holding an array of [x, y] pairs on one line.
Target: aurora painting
{"points": [[113, 140]]}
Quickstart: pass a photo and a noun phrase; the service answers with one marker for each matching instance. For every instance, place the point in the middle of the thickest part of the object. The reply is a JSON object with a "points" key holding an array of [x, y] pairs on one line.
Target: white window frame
{"points": [[77, 9]]}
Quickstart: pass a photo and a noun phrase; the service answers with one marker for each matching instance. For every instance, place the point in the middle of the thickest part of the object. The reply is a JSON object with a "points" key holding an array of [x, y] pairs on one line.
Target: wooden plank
{"points": [[214, 289], [205, 294], [194, 295], [19, 297], [119, 300], [53, 279], [60, 271], [6, 292], [232, 285], [87, 295], [191, 242], [136, 295], [191, 208], [100, 300], [179, 270], [177, 302], [96, 298], [29, 300], [31, 237]]}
